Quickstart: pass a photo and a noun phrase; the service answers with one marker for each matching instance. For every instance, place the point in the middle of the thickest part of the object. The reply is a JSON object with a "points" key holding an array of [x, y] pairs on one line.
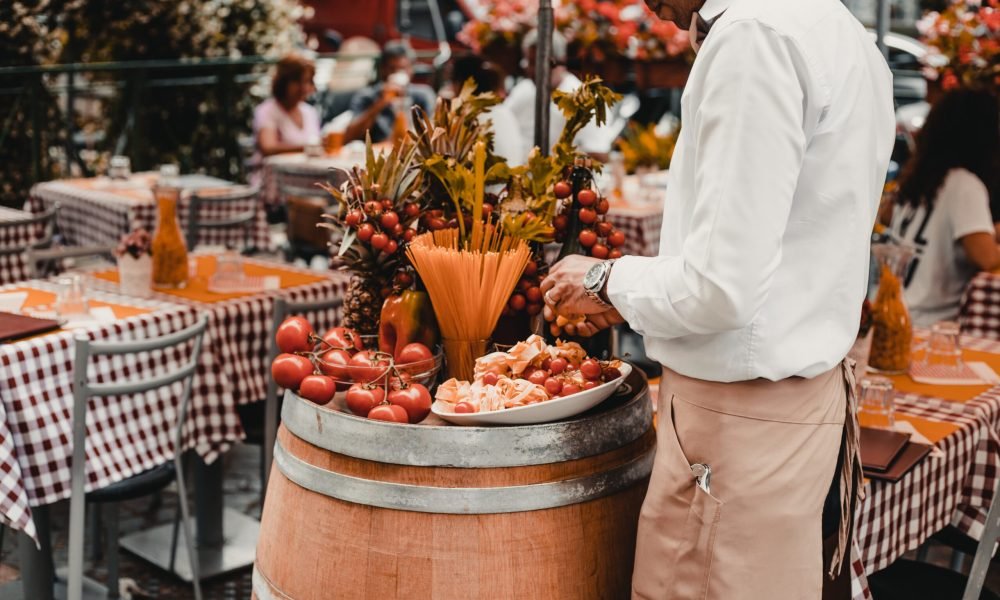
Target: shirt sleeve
{"points": [[748, 143], [362, 100], [967, 202], [264, 117]]}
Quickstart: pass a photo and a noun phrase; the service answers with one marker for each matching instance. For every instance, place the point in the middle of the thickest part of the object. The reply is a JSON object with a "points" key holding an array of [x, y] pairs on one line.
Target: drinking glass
{"points": [[120, 167], [876, 405], [943, 349], [72, 296], [228, 269]]}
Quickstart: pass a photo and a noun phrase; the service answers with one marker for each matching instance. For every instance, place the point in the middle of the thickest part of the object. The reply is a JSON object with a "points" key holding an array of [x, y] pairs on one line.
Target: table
{"points": [[955, 489], [979, 314], [13, 267], [35, 402], [302, 171], [98, 211]]}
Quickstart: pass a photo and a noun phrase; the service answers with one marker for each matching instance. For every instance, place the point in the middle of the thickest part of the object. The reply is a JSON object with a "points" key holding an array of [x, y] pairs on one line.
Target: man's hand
{"points": [[563, 292], [589, 325]]}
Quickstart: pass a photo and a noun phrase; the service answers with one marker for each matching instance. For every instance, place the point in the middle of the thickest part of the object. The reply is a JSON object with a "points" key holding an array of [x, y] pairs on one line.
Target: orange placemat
{"points": [[197, 288], [41, 299], [934, 431], [955, 393]]}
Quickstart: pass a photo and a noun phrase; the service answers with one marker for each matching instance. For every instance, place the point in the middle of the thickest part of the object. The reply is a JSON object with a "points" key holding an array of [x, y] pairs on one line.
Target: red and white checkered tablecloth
{"points": [[14, 267], [297, 170], [641, 225], [955, 489], [125, 435], [980, 310], [97, 212], [242, 326]]}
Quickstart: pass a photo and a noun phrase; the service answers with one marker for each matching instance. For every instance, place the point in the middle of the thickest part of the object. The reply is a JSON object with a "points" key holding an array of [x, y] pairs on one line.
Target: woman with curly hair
{"points": [[284, 122], [943, 206]]}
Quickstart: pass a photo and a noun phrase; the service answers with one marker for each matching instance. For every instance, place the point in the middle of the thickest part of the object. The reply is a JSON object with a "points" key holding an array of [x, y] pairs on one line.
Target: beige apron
{"points": [[773, 449]]}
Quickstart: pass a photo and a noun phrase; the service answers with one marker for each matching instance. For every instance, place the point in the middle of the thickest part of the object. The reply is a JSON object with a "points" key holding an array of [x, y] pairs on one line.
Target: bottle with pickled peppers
{"points": [[892, 335]]}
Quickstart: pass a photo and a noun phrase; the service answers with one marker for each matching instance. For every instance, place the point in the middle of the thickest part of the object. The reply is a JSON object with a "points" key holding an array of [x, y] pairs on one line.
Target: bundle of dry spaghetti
{"points": [[469, 284]]}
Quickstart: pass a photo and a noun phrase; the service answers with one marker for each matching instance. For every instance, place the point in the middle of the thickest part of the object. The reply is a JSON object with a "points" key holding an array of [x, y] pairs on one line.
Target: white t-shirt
{"points": [[507, 140], [940, 271]]}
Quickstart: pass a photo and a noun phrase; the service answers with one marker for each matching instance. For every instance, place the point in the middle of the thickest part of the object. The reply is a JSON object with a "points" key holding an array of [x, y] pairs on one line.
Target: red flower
{"points": [[608, 10], [949, 81]]}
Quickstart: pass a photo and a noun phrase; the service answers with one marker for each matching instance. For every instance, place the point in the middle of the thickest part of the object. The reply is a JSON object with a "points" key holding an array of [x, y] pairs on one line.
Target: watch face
{"points": [[593, 277]]}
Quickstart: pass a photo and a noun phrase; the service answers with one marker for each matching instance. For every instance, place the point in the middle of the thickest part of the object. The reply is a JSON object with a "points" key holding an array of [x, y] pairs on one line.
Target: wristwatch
{"points": [[595, 280]]}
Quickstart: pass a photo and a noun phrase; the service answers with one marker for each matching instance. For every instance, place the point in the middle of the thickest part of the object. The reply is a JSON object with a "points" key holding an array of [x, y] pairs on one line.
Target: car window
{"points": [[903, 61]]}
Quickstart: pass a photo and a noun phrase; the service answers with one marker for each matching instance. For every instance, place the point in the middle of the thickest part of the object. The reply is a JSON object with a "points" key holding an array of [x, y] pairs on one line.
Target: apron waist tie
{"points": [[851, 490]]}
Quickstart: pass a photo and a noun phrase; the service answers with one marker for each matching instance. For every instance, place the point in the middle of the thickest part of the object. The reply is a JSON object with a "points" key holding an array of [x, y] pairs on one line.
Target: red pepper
{"points": [[407, 318]]}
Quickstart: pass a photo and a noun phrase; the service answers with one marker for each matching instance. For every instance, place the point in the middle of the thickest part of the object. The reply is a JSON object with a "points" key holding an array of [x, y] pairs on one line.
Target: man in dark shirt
{"points": [[375, 107]]}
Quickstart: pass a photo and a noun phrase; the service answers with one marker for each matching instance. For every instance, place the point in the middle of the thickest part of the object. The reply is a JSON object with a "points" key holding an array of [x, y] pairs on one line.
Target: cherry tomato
{"points": [[517, 302], [414, 352], [408, 235], [599, 251], [610, 374], [487, 209], [390, 247], [415, 400], [603, 228], [398, 229], [390, 413], [589, 385], [591, 369], [354, 218], [538, 376], [562, 189], [373, 208], [344, 338], [587, 216], [587, 238], [531, 269], [547, 364], [569, 389], [464, 408], [558, 365], [389, 219], [560, 222], [435, 224], [533, 309], [368, 365], [403, 279], [603, 206], [586, 197], [293, 335], [534, 294], [553, 386], [386, 203], [288, 370], [334, 363], [318, 388], [555, 330], [361, 398], [365, 232], [616, 253], [490, 379], [379, 241], [411, 209], [616, 239]]}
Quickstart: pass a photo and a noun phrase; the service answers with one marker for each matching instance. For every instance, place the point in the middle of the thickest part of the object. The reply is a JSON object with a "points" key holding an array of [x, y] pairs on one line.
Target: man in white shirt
{"points": [[755, 298]]}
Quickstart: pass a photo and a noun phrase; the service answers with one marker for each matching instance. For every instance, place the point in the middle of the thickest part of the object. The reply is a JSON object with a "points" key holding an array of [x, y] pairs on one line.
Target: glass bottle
{"points": [[170, 265], [892, 329]]}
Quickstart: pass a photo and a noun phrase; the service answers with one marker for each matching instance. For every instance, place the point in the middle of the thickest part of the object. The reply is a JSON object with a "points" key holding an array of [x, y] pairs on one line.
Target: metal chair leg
{"points": [[923, 551], [94, 531], [188, 535], [111, 551], [173, 537], [957, 561]]}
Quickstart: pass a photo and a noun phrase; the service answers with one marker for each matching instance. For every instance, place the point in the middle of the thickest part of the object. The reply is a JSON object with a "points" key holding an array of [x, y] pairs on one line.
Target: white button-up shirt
{"points": [[787, 130]]}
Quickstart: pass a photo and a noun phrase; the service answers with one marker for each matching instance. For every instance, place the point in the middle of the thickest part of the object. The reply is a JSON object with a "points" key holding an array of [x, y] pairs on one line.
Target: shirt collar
{"points": [[713, 8]]}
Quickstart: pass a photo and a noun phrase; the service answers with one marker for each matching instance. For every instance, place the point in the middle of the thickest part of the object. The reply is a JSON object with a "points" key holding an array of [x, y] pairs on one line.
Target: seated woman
{"points": [[943, 206], [284, 122]]}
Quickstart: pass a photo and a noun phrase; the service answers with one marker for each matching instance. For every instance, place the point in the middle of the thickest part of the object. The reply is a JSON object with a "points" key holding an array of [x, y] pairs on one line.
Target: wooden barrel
{"points": [[361, 509]]}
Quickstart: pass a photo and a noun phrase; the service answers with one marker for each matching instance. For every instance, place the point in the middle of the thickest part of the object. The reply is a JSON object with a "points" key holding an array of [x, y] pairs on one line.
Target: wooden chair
{"points": [[239, 207], [910, 579], [148, 482]]}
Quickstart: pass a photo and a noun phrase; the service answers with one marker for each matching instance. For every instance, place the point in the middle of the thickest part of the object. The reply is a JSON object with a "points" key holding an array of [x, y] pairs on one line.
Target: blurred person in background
{"points": [[284, 122], [942, 207], [375, 107], [508, 141], [592, 139]]}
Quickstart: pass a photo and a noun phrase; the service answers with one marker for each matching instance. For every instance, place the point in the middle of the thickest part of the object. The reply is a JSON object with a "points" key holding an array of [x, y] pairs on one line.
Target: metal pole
{"points": [[543, 75], [882, 26]]}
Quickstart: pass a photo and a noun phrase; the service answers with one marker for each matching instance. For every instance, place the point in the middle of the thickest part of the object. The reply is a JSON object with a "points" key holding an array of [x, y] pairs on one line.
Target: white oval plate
{"points": [[540, 412]]}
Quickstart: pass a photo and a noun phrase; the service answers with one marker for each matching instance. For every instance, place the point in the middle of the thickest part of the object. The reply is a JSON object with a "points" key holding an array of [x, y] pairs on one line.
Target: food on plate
{"points": [[531, 371]]}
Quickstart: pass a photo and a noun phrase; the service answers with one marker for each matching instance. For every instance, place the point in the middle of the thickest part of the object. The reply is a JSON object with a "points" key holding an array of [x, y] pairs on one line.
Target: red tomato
{"points": [[390, 247], [293, 335], [558, 365], [603, 206], [586, 197], [387, 203], [414, 352], [403, 279], [365, 232], [397, 230], [589, 385], [361, 399], [490, 379], [517, 302], [569, 389], [599, 251], [464, 407], [288, 370], [379, 241], [533, 309], [334, 363], [547, 364], [538, 376], [344, 338], [603, 228], [368, 365], [562, 189], [389, 219], [318, 388], [560, 222], [591, 369], [354, 217], [531, 268], [409, 234], [587, 238], [610, 374], [411, 209], [553, 386], [587, 215], [390, 413], [415, 400], [616, 239], [616, 253], [534, 294]]}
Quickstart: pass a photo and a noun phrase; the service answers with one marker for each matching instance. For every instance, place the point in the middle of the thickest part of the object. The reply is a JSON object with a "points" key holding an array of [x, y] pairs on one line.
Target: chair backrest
{"points": [[306, 207], [44, 261], [45, 220], [984, 551], [237, 207]]}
